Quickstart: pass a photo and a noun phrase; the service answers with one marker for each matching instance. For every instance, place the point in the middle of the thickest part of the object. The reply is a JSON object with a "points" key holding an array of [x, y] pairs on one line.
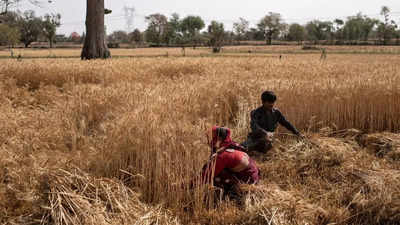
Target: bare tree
{"points": [[95, 42], [49, 26], [387, 28], [241, 28], [5, 5]]}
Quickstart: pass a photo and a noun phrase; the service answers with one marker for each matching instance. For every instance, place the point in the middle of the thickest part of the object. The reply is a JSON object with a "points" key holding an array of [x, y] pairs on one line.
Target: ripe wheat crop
{"points": [[123, 137]]}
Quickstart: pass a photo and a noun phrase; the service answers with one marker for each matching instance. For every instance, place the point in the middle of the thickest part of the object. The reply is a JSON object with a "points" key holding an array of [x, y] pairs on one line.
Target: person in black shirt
{"points": [[264, 121]]}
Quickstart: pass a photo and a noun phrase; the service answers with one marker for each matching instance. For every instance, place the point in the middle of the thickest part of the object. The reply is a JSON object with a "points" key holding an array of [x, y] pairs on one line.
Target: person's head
{"points": [[218, 136], [268, 99], [221, 133]]}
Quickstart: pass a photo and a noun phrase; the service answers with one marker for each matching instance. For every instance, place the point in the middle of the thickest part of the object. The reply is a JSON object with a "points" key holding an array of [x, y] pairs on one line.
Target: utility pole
{"points": [[129, 18]]}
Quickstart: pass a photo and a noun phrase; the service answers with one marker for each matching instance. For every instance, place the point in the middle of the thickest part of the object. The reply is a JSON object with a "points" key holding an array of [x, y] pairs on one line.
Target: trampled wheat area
{"points": [[117, 141]]}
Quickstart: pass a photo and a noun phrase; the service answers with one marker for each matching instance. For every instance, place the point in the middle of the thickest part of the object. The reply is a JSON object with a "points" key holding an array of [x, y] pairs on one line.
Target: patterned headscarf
{"points": [[221, 138]]}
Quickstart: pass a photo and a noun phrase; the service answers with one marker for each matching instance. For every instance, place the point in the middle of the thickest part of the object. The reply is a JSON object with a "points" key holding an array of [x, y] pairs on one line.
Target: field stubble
{"points": [[132, 126]]}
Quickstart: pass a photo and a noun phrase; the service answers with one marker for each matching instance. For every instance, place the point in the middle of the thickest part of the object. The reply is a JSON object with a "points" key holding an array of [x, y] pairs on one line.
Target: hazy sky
{"points": [[73, 12]]}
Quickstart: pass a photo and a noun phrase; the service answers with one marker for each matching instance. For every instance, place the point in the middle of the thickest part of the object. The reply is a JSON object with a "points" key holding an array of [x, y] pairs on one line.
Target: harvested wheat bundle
{"points": [[381, 144], [78, 198], [268, 204], [378, 201]]}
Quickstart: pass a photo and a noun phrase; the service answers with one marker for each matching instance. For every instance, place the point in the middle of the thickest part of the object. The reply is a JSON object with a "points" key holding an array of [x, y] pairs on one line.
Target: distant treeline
{"points": [[360, 29]]}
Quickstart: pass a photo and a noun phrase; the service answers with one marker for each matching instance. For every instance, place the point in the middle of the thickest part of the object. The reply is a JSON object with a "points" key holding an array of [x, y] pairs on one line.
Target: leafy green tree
{"points": [[190, 27], [241, 28], [319, 30], [30, 27], [216, 32], [119, 36], [157, 27], [296, 33], [50, 24], [353, 28], [9, 35], [271, 25], [368, 26], [173, 35], [255, 34], [136, 36], [359, 27]]}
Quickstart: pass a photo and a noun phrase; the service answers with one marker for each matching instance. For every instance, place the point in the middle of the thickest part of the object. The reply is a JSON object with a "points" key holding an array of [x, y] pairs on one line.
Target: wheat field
{"points": [[116, 141]]}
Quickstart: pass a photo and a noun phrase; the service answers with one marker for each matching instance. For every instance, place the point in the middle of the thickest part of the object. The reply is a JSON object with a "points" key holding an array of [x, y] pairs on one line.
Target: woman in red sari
{"points": [[229, 165]]}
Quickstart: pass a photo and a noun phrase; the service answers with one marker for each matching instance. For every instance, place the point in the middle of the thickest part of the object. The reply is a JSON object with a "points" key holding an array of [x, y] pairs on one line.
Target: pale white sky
{"points": [[73, 12]]}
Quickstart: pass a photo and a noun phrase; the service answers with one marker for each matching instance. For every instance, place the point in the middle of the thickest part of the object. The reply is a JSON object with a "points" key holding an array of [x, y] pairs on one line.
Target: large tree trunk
{"points": [[95, 45]]}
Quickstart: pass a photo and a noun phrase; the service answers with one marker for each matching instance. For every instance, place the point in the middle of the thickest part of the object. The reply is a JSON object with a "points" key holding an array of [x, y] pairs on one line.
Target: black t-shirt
{"points": [[263, 121]]}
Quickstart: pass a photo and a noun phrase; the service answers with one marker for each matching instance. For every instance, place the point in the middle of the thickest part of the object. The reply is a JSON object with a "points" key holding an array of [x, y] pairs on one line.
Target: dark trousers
{"points": [[258, 143]]}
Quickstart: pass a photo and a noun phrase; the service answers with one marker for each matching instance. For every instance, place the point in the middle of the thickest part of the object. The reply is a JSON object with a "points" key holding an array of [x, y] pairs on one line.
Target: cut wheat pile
{"points": [[105, 142]]}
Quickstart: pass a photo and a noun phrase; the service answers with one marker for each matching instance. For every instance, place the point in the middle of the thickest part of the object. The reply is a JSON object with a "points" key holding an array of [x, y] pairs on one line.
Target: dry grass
{"points": [[110, 142]]}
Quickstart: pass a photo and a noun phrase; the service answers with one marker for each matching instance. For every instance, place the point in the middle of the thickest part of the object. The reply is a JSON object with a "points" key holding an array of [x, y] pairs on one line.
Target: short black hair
{"points": [[268, 96]]}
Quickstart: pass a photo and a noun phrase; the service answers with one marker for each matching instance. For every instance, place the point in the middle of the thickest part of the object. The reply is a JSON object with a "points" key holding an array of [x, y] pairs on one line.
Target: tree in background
{"points": [[359, 27], [95, 41], [387, 29], [173, 34], [136, 36], [255, 34], [50, 24], [10, 18], [367, 27], [338, 29], [216, 32], [157, 28], [6, 4], [296, 33], [271, 25], [30, 27], [190, 27], [352, 28], [9, 35], [119, 36], [319, 30], [241, 28]]}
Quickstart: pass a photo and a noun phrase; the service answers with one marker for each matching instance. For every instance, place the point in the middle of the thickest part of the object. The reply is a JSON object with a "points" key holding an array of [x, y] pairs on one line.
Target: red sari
{"points": [[229, 163]]}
